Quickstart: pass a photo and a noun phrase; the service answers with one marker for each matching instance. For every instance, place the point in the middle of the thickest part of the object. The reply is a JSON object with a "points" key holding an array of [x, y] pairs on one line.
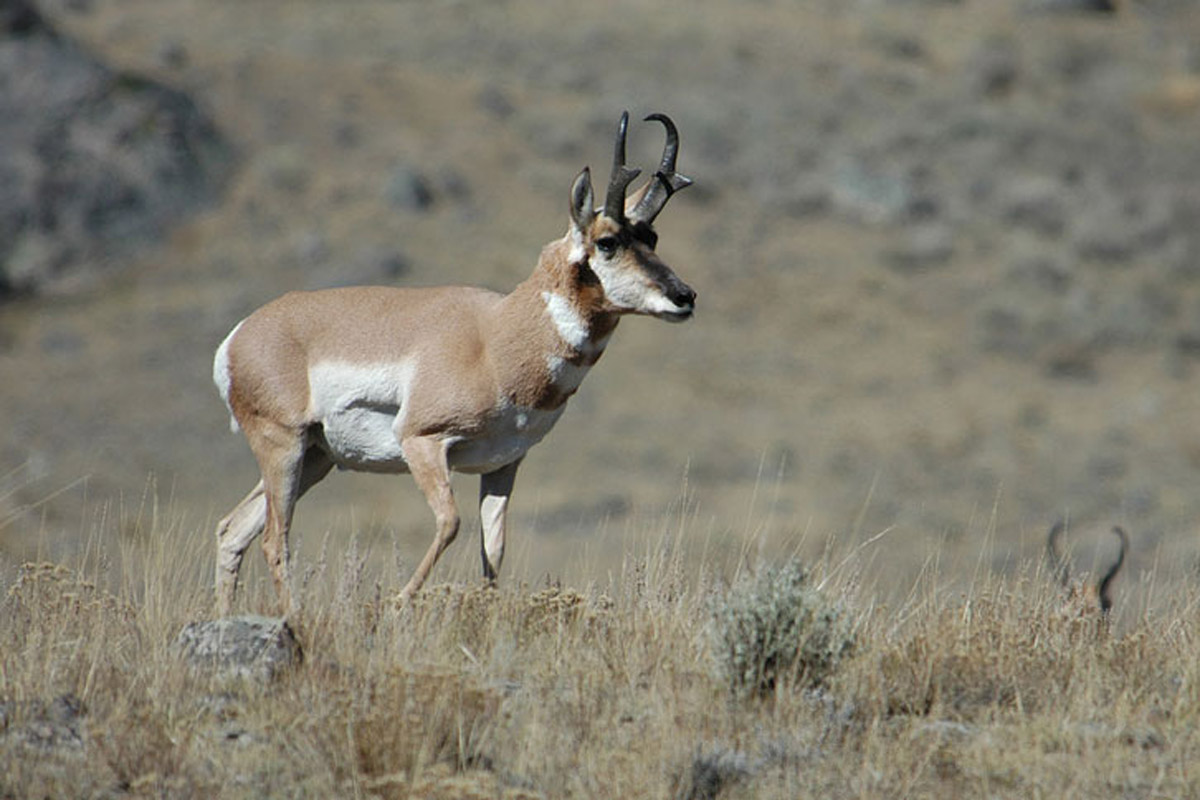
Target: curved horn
{"points": [[622, 176], [666, 181], [1054, 554], [1105, 587]]}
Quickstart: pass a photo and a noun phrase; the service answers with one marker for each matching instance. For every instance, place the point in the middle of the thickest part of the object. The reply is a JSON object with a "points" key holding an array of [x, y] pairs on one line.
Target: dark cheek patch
{"points": [[652, 268]]}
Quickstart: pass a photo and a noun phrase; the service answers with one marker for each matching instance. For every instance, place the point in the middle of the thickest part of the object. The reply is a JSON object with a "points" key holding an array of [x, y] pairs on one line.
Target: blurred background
{"points": [[947, 258]]}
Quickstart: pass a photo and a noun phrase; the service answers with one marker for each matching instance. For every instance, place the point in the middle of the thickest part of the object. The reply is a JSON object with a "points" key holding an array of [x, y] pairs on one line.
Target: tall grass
{"points": [[617, 689]]}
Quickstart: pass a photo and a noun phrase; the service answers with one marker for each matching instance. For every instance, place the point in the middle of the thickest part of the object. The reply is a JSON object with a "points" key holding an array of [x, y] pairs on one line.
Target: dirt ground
{"points": [[946, 255]]}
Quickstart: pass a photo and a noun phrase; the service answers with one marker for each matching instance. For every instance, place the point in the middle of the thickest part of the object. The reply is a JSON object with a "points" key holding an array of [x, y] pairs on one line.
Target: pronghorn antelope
{"points": [[1085, 595], [425, 381]]}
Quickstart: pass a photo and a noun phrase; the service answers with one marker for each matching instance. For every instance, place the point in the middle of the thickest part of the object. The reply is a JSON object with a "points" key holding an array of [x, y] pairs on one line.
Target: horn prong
{"points": [[666, 180]]}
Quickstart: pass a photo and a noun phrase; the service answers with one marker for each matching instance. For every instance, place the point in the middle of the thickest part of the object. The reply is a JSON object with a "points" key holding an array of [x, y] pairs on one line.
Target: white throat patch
{"points": [[570, 326]]}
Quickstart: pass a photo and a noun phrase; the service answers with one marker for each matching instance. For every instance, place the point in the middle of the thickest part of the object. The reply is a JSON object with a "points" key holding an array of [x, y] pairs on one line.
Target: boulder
{"points": [[253, 647], [45, 726]]}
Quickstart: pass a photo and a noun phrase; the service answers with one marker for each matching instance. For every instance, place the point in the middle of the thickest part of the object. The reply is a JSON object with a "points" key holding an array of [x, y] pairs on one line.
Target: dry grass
{"points": [[616, 690]]}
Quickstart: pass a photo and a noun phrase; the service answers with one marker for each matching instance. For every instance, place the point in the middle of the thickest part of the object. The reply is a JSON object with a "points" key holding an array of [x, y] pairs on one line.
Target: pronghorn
{"points": [[1082, 593], [426, 381]]}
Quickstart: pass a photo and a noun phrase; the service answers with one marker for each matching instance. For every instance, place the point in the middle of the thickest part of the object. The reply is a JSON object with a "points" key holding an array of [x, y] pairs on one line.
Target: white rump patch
{"points": [[221, 376], [570, 325]]}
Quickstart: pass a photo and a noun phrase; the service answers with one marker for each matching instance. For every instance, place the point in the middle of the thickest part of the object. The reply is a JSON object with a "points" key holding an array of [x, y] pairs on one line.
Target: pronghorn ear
{"points": [[582, 201]]}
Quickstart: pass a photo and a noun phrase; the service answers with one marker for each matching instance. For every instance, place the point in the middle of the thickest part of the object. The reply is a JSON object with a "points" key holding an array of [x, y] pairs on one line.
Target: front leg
{"points": [[426, 457], [494, 491]]}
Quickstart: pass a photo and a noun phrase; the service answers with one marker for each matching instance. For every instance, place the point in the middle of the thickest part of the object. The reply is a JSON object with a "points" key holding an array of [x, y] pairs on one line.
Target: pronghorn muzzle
{"points": [[676, 300], [679, 293]]}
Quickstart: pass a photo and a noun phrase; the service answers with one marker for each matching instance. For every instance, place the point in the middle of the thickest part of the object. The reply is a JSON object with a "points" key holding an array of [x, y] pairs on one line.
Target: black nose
{"points": [[682, 295]]}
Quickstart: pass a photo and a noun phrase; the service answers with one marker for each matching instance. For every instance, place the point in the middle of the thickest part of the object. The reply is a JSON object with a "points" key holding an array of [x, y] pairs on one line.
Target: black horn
{"points": [[666, 180], [1104, 588], [1054, 554], [622, 176]]}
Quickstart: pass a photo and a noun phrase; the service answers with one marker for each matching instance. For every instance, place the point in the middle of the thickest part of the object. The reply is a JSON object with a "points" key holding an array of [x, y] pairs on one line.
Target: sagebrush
{"points": [[773, 625]]}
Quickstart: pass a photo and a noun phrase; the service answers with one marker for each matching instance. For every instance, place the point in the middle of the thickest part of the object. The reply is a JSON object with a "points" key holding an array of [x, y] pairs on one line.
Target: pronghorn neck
{"points": [[573, 302]]}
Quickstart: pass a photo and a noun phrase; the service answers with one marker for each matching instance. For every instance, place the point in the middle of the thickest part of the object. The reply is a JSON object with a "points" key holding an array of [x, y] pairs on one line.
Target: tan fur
{"points": [[469, 377]]}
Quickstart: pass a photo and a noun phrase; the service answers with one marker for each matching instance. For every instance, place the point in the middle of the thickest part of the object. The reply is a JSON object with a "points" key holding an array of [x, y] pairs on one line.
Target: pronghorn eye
{"points": [[607, 245]]}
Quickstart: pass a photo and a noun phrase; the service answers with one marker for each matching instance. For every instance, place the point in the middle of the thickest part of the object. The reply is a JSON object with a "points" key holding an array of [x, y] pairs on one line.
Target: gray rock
{"points": [[253, 647], [408, 189], [44, 726], [92, 160]]}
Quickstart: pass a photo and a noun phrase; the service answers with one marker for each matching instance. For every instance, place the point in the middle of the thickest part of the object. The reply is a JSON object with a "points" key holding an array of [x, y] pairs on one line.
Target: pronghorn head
{"points": [[615, 245], [1082, 594]]}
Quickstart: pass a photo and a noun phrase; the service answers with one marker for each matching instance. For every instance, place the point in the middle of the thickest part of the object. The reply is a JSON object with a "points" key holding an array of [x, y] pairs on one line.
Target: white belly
{"points": [[359, 408], [364, 438], [361, 412], [507, 438]]}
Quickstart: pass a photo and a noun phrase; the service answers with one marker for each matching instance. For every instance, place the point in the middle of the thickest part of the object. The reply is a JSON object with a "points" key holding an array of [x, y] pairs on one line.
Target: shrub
{"points": [[774, 625], [710, 772]]}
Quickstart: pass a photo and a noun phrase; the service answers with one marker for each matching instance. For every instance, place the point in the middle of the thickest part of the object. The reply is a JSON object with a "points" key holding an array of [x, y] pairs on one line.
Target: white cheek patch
{"points": [[570, 326], [622, 288]]}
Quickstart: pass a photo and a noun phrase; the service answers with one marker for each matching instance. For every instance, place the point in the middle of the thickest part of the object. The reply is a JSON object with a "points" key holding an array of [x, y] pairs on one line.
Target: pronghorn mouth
{"points": [[681, 315]]}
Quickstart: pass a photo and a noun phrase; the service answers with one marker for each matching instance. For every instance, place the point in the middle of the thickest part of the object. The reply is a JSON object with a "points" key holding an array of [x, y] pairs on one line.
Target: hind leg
{"points": [[234, 534], [248, 519]]}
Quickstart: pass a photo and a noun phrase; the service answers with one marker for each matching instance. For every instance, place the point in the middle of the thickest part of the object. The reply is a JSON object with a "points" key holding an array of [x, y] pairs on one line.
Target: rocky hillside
{"points": [[92, 160]]}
